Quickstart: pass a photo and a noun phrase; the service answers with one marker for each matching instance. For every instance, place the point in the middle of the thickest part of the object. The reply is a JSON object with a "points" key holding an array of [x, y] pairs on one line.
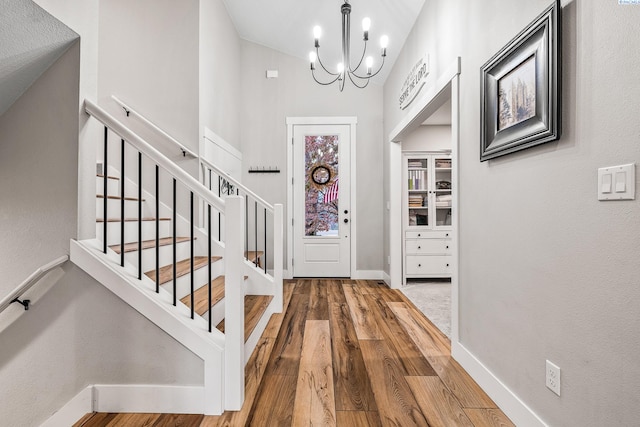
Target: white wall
{"points": [[547, 271], [219, 72], [265, 105], [428, 138], [148, 51]]}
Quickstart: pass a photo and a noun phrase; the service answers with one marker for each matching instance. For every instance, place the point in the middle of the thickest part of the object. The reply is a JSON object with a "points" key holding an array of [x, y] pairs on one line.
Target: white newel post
{"points": [[234, 303], [278, 255]]}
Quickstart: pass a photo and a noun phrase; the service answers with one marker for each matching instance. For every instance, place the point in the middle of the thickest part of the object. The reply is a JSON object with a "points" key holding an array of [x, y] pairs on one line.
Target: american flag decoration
{"points": [[332, 193]]}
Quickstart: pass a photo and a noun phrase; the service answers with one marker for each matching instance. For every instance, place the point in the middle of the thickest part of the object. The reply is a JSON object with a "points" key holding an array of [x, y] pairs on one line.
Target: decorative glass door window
{"points": [[321, 185]]}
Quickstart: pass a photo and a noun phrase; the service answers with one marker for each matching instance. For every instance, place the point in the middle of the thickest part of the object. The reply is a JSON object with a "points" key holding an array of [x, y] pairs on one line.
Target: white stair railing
{"points": [[234, 263]]}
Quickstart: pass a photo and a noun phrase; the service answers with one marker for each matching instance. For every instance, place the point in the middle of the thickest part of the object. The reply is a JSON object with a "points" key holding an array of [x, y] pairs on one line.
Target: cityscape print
{"points": [[517, 95]]}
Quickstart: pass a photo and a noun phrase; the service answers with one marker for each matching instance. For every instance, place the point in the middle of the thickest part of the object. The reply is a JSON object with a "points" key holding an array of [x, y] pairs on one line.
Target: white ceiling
{"points": [[287, 26]]}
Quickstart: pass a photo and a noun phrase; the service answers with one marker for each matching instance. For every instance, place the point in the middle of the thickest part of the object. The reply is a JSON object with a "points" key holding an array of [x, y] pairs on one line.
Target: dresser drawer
{"points": [[428, 247], [428, 234], [428, 265]]}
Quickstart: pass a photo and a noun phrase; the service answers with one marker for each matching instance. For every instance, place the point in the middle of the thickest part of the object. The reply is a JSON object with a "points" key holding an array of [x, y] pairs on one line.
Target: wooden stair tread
{"points": [[147, 244], [201, 295], [128, 199], [254, 306], [252, 255], [182, 268], [108, 177], [131, 219]]}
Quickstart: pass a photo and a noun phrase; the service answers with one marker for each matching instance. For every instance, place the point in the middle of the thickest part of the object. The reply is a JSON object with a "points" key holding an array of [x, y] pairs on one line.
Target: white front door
{"points": [[321, 201]]}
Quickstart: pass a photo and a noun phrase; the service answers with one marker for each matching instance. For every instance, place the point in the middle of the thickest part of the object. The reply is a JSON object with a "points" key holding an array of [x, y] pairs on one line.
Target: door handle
{"points": [[346, 211], [346, 220]]}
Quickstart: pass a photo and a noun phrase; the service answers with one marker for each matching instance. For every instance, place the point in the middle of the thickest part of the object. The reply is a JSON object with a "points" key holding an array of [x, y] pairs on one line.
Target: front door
{"points": [[321, 195]]}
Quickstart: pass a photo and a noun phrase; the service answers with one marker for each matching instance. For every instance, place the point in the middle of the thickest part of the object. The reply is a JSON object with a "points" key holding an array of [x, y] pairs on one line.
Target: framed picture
{"points": [[521, 89]]}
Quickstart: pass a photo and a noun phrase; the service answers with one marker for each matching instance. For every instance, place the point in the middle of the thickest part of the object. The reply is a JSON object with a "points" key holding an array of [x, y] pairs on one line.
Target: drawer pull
{"points": [[447, 247], [419, 234], [419, 247], [420, 265], [447, 235], [447, 265]]}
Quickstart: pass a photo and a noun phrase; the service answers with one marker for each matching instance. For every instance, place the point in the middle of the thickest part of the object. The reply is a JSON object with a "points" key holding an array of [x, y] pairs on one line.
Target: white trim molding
{"points": [[368, 275], [72, 411], [129, 398], [507, 400]]}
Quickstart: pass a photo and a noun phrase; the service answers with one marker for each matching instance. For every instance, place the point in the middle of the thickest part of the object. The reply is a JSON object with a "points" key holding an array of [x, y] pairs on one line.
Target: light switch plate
{"points": [[617, 182]]}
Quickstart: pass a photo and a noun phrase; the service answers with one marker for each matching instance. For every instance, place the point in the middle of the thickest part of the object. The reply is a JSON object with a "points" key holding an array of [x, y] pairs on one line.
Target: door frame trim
{"points": [[297, 121]]}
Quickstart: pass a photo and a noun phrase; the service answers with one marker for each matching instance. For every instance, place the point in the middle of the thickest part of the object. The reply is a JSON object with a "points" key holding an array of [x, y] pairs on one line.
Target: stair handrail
{"points": [[148, 150], [238, 184], [29, 282], [128, 110]]}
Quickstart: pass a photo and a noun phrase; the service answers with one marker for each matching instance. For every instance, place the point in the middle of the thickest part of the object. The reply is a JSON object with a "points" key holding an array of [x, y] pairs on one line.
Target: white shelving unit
{"points": [[427, 198]]}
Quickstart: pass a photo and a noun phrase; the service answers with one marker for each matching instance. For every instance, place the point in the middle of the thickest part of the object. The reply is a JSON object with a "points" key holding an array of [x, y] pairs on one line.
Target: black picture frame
{"points": [[521, 89]]}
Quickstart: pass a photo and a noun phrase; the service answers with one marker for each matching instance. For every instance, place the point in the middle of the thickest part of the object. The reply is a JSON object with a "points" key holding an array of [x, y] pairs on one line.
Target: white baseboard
{"points": [[368, 275], [386, 278], [129, 398], [148, 398], [75, 409], [519, 413]]}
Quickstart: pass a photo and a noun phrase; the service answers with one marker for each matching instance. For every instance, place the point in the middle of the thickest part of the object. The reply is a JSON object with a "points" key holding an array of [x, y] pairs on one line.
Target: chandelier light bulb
{"points": [[312, 59], [384, 42], [340, 67], [366, 24], [369, 63], [317, 32]]}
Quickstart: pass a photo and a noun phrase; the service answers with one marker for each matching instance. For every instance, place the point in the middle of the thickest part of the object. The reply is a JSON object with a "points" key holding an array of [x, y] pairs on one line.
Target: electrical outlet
{"points": [[553, 378]]}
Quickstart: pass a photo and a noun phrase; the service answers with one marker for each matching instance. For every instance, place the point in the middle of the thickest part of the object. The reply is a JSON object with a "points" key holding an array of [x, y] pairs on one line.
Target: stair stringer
{"points": [[175, 321]]}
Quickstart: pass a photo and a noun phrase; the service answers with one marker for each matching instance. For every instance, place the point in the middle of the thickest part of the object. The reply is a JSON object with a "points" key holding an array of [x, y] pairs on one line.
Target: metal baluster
{"points": [[122, 203], [192, 232], [139, 215], [209, 262], [265, 241], [255, 232], [174, 243], [157, 229], [105, 191]]}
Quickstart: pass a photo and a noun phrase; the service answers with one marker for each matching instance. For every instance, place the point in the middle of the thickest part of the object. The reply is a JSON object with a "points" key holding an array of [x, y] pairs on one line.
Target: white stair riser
{"points": [[131, 231], [113, 208], [113, 186], [183, 287], [216, 313], [166, 255]]}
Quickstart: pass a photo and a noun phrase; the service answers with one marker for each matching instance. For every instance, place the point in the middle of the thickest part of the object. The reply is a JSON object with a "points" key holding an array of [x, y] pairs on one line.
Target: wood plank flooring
{"points": [[346, 353]]}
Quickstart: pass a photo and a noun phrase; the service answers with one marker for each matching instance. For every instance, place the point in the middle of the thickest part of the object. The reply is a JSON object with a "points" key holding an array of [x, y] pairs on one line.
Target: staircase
{"points": [[181, 256]]}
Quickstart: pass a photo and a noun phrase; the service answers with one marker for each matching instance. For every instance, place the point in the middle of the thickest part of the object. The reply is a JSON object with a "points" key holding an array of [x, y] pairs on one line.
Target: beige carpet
{"points": [[434, 300]]}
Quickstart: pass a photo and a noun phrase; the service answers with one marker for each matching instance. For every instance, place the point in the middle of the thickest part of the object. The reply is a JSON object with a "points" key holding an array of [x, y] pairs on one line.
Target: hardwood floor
{"points": [[345, 353]]}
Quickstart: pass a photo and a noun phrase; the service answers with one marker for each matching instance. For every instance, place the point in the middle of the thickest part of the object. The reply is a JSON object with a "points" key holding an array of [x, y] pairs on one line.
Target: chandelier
{"points": [[344, 68]]}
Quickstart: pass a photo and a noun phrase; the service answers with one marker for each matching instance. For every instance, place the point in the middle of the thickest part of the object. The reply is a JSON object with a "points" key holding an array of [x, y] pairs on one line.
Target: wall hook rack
{"points": [[263, 169]]}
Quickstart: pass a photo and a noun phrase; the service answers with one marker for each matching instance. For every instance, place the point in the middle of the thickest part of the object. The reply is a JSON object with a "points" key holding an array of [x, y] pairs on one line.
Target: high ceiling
{"points": [[287, 26]]}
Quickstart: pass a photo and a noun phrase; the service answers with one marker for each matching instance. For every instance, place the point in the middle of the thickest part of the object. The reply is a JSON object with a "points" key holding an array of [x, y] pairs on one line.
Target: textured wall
{"points": [[547, 271]]}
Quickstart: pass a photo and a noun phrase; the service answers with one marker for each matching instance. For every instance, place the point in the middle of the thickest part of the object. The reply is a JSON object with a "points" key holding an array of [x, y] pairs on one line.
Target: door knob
{"points": [[346, 220], [346, 211]]}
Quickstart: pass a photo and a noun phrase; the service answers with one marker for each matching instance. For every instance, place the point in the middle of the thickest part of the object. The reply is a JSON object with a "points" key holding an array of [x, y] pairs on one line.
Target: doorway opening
{"points": [[437, 113]]}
